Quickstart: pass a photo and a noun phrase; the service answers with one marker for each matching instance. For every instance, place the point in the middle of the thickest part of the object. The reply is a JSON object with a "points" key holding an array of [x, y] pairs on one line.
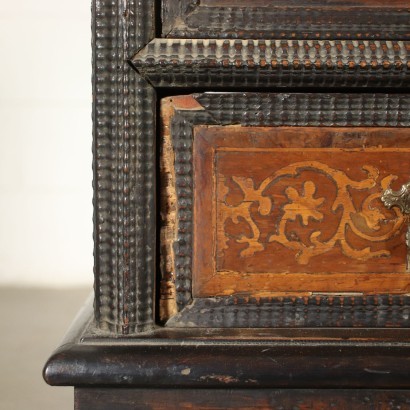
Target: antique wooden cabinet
{"points": [[252, 194]]}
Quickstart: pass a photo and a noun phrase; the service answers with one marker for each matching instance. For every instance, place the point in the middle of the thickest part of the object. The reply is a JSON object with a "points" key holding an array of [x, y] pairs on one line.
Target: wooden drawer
{"points": [[260, 206], [298, 210]]}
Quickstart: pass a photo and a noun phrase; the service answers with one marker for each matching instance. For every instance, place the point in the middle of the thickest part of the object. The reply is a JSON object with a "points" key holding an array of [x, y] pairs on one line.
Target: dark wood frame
{"points": [[108, 343]]}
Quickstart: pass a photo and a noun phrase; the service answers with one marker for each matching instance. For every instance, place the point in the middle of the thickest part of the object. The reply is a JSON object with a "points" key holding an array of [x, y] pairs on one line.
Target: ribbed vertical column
{"points": [[142, 190], [124, 179]]}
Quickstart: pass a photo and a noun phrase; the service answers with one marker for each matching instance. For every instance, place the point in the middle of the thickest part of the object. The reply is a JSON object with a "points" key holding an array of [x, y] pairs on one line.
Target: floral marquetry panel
{"points": [[298, 210]]}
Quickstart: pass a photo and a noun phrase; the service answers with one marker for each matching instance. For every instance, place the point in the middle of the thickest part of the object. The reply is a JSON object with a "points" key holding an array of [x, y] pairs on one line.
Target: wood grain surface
{"points": [[285, 210], [243, 399]]}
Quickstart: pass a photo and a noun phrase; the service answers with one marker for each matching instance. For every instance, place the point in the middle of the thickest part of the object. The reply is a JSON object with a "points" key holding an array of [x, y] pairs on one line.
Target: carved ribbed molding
{"points": [[313, 311], [267, 63], [124, 168]]}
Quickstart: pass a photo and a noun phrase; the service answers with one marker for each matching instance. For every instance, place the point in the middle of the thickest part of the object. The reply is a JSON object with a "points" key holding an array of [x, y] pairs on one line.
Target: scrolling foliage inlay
{"points": [[300, 202], [303, 206]]}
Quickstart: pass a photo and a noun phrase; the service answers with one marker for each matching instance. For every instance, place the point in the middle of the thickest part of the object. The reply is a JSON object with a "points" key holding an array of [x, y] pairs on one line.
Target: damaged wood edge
{"points": [[168, 213], [169, 203]]}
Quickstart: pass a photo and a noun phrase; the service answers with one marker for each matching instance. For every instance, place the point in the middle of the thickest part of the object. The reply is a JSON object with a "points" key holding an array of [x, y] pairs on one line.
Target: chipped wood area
{"points": [[168, 211], [173, 12], [298, 211], [169, 205]]}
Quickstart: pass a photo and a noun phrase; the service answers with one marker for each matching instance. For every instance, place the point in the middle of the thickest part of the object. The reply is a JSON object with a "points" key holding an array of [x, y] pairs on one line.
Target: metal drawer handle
{"points": [[401, 200]]}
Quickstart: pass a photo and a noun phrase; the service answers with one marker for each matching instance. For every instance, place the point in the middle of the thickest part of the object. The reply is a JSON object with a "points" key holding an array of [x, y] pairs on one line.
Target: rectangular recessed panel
{"points": [[298, 210]]}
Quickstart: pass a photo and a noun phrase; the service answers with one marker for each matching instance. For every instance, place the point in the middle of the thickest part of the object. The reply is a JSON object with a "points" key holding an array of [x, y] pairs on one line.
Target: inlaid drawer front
{"points": [[298, 210], [280, 202]]}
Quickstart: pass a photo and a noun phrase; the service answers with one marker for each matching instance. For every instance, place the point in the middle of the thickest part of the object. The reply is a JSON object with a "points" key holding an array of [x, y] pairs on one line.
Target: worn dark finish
{"points": [[124, 168], [228, 359], [290, 19], [351, 358], [229, 364], [274, 63], [324, 110], [217, 399]]}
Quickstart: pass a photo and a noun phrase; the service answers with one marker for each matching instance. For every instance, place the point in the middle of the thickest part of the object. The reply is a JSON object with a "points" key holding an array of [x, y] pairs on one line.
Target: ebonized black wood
{"points": [[345, 358], [124, 168], [268, 63]]}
